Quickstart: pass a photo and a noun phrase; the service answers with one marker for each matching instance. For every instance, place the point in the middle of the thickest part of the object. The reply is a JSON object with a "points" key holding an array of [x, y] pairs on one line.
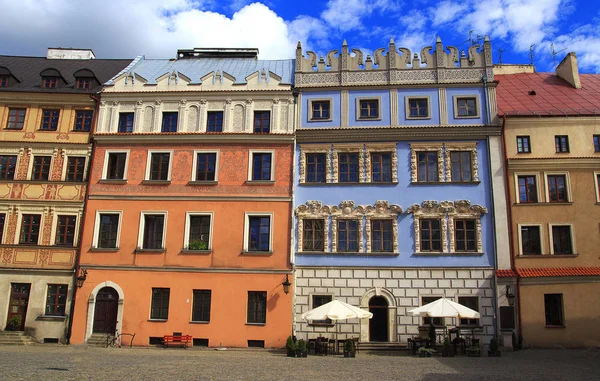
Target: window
{"points": [[83, 120], [214, 121], [160, 303], [206, 166], [30, 229], [523, 144], [557, 188], [318, 301], [347, 236], [2, 219], [65, 230], [159, 166], [431, 239], [561, 239], [465, 235], [471, 302], [418, 108], [320, 110], [530, 240], [368, 108], [50, 82], [553, 306], [315, 167], [313, 235], [348, 167], [597, 176], [527, 189], [116, 166], [41, 168], [201, 306], [83, 83], [427, 167], [50, 120], [259, 233], [3, 80], [381, 236], [461, 166], [262, 121], [169, 122], [261, 166], [126, 122], [108, 232], [56, 299], [16, 118], [75, 168], [561, 142], [596, 143], [153, 231], [428, 320], [466, 107], [8, 165], [381, 167], [198, 232], [257, 307]]}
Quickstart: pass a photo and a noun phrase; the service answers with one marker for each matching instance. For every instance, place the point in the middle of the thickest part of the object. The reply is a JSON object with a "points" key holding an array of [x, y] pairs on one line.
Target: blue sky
{"points": [[157, 28]]}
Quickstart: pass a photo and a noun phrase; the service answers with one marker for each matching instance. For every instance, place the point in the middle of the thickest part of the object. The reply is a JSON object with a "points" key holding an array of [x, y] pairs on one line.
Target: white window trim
{"points": [[537, 186], [16, 151], [63, 175], [520, 248], [596, 174], [67, 301], [462, 147], [567, 184], [338, 149], [367, 98], [105, 166], [77, 215], [97, 228], [44, 215], [312, 210], [551, 237], [455, 99], [32, 159], [382, 148], [149, 161], [186, 234], [250, 166], [426, 147], [407, 100], [310, 109], [247, 216], [195, 164], [463, 210], [6, 210], [142, 224], [315, 149]]}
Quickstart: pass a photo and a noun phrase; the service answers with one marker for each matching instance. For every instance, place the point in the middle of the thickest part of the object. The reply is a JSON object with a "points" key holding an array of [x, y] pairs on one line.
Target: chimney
{"points": [[70, 54], [567, 70]]}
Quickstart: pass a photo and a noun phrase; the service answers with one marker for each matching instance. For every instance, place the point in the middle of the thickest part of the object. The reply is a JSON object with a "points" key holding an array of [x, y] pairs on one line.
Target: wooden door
{"points": [[105, 314], [19, 299], [378, 325]]}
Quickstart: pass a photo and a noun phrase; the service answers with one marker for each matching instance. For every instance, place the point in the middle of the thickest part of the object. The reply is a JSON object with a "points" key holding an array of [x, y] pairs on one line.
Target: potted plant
{"points": [[290, 346], [349, 350], [198, 245], [447, 351], [301, 348], [426, 352], [14, 323], [493, 351]]}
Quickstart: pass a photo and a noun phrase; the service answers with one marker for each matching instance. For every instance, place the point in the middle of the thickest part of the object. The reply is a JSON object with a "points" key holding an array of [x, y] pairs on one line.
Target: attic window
{"points": [[3, 80], [532, 92], [83, 83], [50, 82]]}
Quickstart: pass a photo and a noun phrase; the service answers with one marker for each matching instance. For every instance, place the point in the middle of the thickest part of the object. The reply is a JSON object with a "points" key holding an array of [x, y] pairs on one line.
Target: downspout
{"points": [[511, 238], [82, 222], [295, 93]]}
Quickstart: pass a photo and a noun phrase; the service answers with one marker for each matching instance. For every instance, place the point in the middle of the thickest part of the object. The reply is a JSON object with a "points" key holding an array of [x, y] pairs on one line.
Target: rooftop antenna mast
{"points": [[500, 51], [555, 52], [531, 54]]}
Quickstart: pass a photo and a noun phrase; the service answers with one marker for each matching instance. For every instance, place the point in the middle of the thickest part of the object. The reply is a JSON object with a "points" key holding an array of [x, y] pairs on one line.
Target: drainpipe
{"points": [[295, 93], [82, 222]]}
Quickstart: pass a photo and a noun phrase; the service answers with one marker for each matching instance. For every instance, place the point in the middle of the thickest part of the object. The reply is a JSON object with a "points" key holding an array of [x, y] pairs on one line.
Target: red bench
{"points": [[181, 341]]}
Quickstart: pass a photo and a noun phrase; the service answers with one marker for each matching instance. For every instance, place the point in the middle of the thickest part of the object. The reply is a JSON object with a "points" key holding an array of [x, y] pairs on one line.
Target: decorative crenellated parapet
{"points": [[433, 64]]}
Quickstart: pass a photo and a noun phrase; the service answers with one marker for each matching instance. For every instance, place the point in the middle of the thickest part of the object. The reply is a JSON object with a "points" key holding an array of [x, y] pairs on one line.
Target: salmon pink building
{"points": [[187, 225]]}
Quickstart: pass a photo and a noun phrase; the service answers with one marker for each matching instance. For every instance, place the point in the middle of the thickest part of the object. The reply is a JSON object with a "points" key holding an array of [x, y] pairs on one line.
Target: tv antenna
{"points": [[555, 52], [500, 51], [531, 54]]}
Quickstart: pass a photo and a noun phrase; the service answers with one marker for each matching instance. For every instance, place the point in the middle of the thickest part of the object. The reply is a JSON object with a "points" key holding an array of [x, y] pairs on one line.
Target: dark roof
{"points": [[27, 72], [545, 94]]}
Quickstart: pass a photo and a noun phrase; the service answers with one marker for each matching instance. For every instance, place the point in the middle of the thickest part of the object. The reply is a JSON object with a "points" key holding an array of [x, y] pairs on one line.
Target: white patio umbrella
{"points": [[444, 308]]}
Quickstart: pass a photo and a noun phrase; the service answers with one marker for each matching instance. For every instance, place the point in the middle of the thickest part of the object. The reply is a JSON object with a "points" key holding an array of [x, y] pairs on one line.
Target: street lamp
{"points": [[286, 285], [510, 296], [81, 277]]}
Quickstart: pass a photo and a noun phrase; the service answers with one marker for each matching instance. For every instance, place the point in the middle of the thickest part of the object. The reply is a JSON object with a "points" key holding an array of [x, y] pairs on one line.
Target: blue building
{"points": [[393, 189]]}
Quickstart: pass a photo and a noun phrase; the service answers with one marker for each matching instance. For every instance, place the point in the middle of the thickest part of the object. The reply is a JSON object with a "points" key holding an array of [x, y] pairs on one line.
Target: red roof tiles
{"points": [[553, 95], [505, 274], [559, 272]]}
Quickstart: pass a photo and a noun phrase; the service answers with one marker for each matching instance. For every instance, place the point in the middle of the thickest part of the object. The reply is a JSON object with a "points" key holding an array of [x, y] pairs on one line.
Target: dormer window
{"points": [[84, 79], [3, 80], [83, 83], [50, 82]]}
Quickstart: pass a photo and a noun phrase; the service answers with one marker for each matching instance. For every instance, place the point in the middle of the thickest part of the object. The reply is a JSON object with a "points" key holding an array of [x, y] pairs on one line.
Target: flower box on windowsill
{"points": [[112, 181], [260, 182], [104, 249], [195, 252], [156, 182], [149, 251], [257, 253], [203, 182]]}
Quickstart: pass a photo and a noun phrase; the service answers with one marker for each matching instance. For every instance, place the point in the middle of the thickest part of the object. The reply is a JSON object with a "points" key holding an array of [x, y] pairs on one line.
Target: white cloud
{"points": [[585, 41], [446, 11], [347, 15]]}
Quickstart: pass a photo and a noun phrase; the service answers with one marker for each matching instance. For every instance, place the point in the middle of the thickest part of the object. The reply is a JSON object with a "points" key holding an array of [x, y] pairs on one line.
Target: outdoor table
{"points": [[416, 343]]}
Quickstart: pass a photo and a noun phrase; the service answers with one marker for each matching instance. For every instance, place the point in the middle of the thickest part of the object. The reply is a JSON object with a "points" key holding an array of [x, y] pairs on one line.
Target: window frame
{"points": [[475, 231], [160, 317], [188, 225], [195, 165], [169, 122], [208, 115], [31, 168], [571, 237], [520, 238], [457, 98], [5, 80], [469, 322], [523, 139], [203, 293], [596, 141], [56, 303], [246, 244], [54, 232], [311, 305], [251, 165], [372, 222], [17, 117], [96, 237], [122, 115], [40, 231], [359, 100], [558, 139], [437, 161], [50, 126], [372, 169], [83, 119], [567, 186], [142, 228], [50, 82], [248, 322], [83, 83], [312, 248], [9, 155], [105, 166], [315, 165], [561, 310], [423, 323], [536, 175], [597, 185], [359, 230], [407, 107], [149, 154], [359, 169], [3, 224], [65, 174], [311, 117], [442, 233], [262, 119]]}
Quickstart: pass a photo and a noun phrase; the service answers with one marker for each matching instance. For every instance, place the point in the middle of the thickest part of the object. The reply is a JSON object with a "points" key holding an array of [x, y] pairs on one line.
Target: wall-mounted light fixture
{"points": [[510, 296], [286, 285], [81, 277]]}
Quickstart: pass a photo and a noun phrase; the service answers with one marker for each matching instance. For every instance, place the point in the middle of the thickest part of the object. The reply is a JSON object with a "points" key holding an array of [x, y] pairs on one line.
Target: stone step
{"points": [[381, 347], [11, 333]]}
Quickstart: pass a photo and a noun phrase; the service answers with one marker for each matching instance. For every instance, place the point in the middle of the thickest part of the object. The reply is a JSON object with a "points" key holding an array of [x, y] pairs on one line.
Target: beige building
{"points": [[552, 149]]}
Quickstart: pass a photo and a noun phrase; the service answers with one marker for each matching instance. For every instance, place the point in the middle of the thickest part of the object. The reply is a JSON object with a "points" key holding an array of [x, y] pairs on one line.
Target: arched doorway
{"points": [[105, 314], [378, 325]]}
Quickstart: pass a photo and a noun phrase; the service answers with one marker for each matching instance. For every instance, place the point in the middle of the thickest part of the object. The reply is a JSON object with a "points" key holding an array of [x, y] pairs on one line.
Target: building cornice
{"points": [[49, 99], [405, 268], [559, 280], [365, 134], [188, 198], [178, 138], [186, 269], [557, 163], [413, 86]]}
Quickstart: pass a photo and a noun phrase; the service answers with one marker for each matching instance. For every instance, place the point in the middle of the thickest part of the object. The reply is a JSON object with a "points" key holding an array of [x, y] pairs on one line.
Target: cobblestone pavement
{"points": [[80, 363]]}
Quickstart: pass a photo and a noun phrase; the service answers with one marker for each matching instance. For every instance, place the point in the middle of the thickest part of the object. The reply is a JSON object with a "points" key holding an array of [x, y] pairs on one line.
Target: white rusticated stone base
{"points": [[402, 288]]}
